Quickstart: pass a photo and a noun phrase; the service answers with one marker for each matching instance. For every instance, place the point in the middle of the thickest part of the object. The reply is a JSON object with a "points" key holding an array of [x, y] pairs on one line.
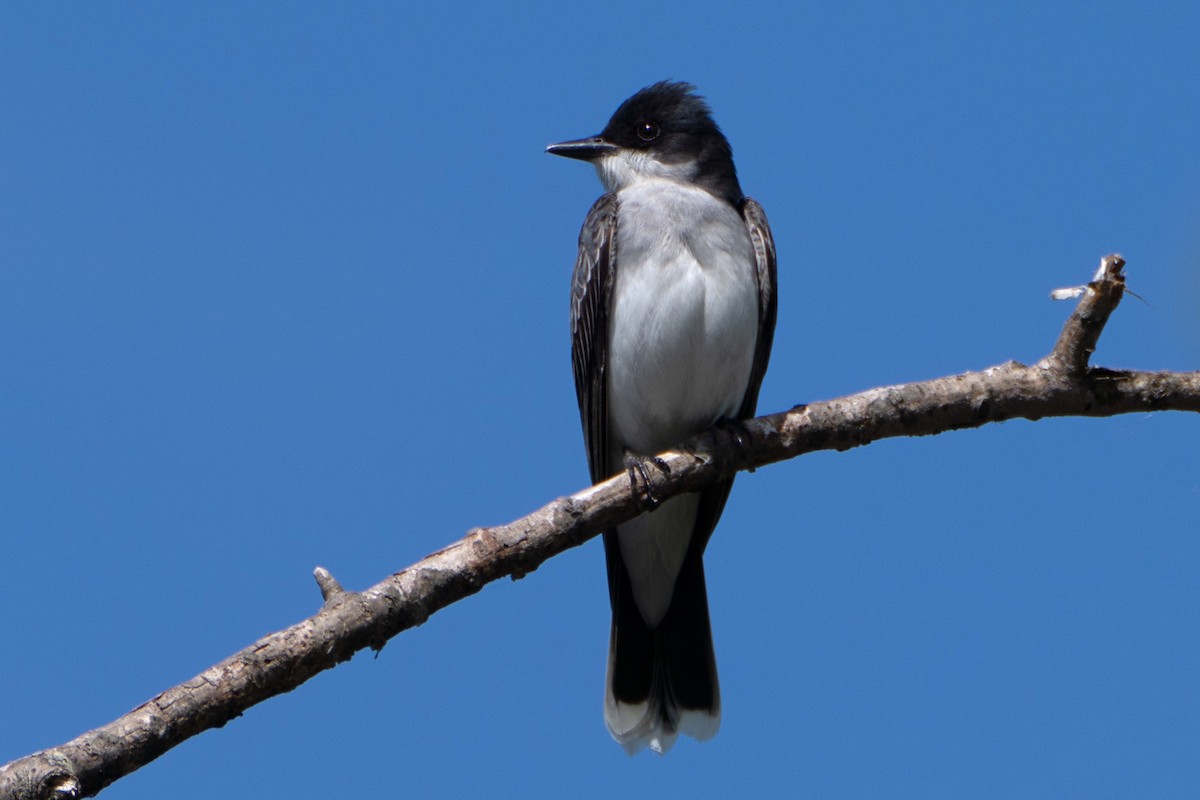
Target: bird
{"points": [[673, 306]]}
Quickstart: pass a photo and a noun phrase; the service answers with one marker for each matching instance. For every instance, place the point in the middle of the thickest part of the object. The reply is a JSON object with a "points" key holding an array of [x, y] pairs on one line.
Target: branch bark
{"points": [[1061, 384]]}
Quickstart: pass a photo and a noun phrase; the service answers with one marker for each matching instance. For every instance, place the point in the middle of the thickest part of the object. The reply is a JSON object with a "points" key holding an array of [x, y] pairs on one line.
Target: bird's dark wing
{"points": [[591, 298], [768, 302], [712, 499]]}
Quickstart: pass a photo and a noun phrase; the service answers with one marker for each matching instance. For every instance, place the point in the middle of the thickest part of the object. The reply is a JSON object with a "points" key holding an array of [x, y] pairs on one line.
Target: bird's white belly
{"points": [[684, 317]]}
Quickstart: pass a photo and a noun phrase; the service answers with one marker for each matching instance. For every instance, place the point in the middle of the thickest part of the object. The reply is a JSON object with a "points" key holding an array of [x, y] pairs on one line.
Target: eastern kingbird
{"points": [[672, 314]]}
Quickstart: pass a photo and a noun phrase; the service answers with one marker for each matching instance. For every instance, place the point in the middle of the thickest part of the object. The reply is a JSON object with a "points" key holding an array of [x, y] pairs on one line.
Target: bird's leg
{"points": [[635, 465], [738, 432]]}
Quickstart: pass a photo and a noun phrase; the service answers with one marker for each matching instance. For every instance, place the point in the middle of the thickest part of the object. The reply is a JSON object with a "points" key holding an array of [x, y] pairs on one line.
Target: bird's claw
{"points": [[635, 465], [740, 435]]}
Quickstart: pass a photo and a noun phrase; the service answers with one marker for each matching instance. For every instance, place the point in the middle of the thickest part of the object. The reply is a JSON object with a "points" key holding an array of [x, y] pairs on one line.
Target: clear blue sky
{"points": [[286, 285]]}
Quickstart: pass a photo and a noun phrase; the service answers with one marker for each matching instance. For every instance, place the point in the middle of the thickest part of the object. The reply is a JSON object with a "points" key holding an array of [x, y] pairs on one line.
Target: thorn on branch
{"points": [[330, 588], [1099, 299]]}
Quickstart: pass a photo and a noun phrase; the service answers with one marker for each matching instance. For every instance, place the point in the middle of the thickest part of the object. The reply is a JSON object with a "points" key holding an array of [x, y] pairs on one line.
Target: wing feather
{"points": [[712, 499], [591, 300], [768, 302]]}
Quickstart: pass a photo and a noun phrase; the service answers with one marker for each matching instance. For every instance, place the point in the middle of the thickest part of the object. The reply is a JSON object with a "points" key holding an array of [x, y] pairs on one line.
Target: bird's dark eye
{"points": [[647, 131]]}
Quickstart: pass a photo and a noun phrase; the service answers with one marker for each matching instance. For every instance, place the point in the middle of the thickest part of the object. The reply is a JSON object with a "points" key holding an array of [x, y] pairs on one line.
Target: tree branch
{"points": [[1061, 384]]}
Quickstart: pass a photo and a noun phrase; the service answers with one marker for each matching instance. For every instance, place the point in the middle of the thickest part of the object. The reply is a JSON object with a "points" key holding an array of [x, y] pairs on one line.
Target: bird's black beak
{"points": [[588, 149]]}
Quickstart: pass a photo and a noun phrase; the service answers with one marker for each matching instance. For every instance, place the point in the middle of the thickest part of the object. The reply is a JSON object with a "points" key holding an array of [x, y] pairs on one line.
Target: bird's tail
{"points": [[662, 681]]}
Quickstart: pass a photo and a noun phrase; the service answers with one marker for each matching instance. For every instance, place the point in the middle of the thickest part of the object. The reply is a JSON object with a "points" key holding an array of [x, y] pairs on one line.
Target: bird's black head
{"points": [[664, 131]]}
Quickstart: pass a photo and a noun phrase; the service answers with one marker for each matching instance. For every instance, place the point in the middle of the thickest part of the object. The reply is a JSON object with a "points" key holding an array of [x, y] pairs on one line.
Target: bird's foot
{"points": [[637, 467]]}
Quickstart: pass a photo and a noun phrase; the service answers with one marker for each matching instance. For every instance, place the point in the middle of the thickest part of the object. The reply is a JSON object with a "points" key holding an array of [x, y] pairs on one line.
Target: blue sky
{"points": [[286, 285]]}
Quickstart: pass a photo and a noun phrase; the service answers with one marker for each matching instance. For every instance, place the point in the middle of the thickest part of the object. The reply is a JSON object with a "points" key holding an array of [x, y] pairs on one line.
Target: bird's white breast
{"points": [[684, 317]]}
